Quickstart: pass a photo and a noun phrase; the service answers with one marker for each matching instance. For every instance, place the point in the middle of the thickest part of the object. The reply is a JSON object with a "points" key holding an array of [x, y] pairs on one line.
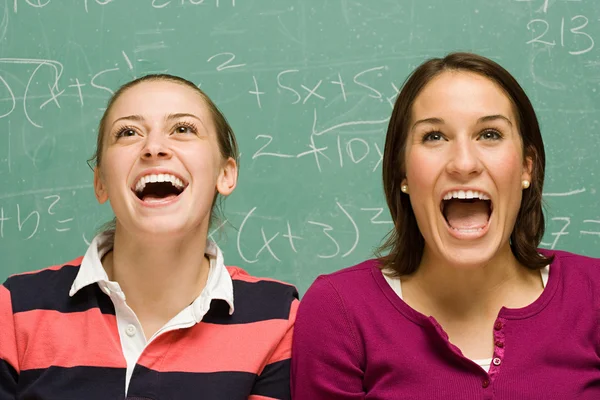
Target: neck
{"points": [[159, 277], [440, 288]]}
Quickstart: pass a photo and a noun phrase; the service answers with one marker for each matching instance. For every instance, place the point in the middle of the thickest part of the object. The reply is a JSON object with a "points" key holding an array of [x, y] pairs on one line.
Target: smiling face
{"points": [[464, 143], [161, 163]]}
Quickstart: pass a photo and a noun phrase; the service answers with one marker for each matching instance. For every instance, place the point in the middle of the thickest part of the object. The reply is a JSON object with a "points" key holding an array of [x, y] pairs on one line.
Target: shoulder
{"points": [[257, 298], [570, 263], [346, 291], [244, 282], [44, 288], [53, 275], [351, 280], [578, 276], [355, 272], [336, 307]]}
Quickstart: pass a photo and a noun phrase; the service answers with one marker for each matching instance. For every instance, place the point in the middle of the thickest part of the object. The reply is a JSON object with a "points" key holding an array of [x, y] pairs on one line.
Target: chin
{"points": [[164, 228], [470, 257]]}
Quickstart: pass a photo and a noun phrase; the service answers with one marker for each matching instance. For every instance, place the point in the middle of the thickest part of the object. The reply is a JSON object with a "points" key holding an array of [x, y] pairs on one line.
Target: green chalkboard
{"points": [[307, 85]]}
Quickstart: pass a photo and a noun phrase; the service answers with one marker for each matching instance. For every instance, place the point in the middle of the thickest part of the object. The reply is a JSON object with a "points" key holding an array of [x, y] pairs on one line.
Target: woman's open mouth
{"points": [[159, 188], [467, 212]]}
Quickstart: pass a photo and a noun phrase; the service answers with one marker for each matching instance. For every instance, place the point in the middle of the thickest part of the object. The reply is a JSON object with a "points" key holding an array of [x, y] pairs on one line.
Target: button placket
{"points": [[499, 348]]}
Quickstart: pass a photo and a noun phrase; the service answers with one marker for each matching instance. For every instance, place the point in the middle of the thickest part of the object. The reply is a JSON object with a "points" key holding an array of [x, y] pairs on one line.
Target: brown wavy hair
{"points": [[403, 246]]}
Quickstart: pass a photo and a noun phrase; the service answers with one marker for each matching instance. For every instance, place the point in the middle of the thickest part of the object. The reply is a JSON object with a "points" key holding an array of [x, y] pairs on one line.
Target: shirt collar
{"points": [[219, 285], [91, 270]]}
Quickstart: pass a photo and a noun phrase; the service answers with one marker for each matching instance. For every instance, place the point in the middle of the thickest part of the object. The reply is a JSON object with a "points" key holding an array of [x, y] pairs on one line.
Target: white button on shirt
{"points": [[133, 341], [130, 330]]}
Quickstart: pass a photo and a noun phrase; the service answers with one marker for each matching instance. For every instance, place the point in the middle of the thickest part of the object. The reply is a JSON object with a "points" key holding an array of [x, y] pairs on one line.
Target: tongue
{"points": [[151, 198], [466, 215]]}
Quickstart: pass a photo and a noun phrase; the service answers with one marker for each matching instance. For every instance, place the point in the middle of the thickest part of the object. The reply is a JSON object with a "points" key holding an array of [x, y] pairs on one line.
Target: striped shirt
{"points": [[63, 338]]}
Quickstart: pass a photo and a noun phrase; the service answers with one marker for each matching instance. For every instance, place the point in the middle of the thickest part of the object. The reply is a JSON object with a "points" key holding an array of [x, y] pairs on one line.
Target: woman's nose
{"points": [[156, 147], [464, 159]]}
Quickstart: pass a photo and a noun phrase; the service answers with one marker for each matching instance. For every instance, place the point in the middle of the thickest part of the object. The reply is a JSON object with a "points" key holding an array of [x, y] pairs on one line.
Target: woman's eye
{"points": [[184, 129], [490, 135], [126, 132], [432, 137]]}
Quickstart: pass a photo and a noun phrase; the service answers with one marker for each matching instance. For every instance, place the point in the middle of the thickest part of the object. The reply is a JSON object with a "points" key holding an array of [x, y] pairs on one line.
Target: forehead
{"points": [[155, 99], [461, 93]]}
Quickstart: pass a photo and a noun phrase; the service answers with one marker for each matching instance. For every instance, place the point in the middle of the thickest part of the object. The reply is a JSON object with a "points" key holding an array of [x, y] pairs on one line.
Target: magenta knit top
{"points": [[354, 338]]}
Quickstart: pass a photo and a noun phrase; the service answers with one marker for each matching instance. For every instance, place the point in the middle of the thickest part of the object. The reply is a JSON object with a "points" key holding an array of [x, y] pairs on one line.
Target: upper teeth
{"points": [[466, 194], [175, 181]]}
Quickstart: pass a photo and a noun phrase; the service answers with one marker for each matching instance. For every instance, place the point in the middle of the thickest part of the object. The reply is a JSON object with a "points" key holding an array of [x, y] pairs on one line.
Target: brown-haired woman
{"points": [[151, 311], [463, 305]]}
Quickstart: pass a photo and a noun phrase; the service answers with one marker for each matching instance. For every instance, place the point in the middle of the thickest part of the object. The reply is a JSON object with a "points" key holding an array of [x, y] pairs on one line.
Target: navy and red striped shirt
{"points": [[56, 346]]}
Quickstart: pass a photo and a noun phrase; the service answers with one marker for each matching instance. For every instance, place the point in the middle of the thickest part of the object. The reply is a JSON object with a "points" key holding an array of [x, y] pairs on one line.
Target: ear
{"points": [[527, 169], [227, 179], [99, 188]]}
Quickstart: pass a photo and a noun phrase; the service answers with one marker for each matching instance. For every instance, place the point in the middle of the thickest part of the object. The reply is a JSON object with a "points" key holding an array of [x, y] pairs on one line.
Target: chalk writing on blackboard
{"points": [[89, 5], [27, 221], [568, 32]]}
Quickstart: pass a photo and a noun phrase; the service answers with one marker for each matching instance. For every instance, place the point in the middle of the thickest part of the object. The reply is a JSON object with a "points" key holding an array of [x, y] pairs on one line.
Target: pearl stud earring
{"points": [[525, 184], [404, 188]]}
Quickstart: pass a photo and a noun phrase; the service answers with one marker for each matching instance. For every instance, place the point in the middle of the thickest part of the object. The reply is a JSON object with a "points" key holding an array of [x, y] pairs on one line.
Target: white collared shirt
{"points": [[133, 341]]}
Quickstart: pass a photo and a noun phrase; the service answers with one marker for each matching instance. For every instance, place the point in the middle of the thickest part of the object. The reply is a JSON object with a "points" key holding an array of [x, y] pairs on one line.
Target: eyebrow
{"points": [[440, 121], [129, 117], [494, 118], [427, 121], [170, 117]]}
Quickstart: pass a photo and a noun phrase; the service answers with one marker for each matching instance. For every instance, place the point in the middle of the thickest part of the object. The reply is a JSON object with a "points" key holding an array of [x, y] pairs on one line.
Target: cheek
{"points": [[421, 169], [204, 162], [507, 167], [114, 170]]}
